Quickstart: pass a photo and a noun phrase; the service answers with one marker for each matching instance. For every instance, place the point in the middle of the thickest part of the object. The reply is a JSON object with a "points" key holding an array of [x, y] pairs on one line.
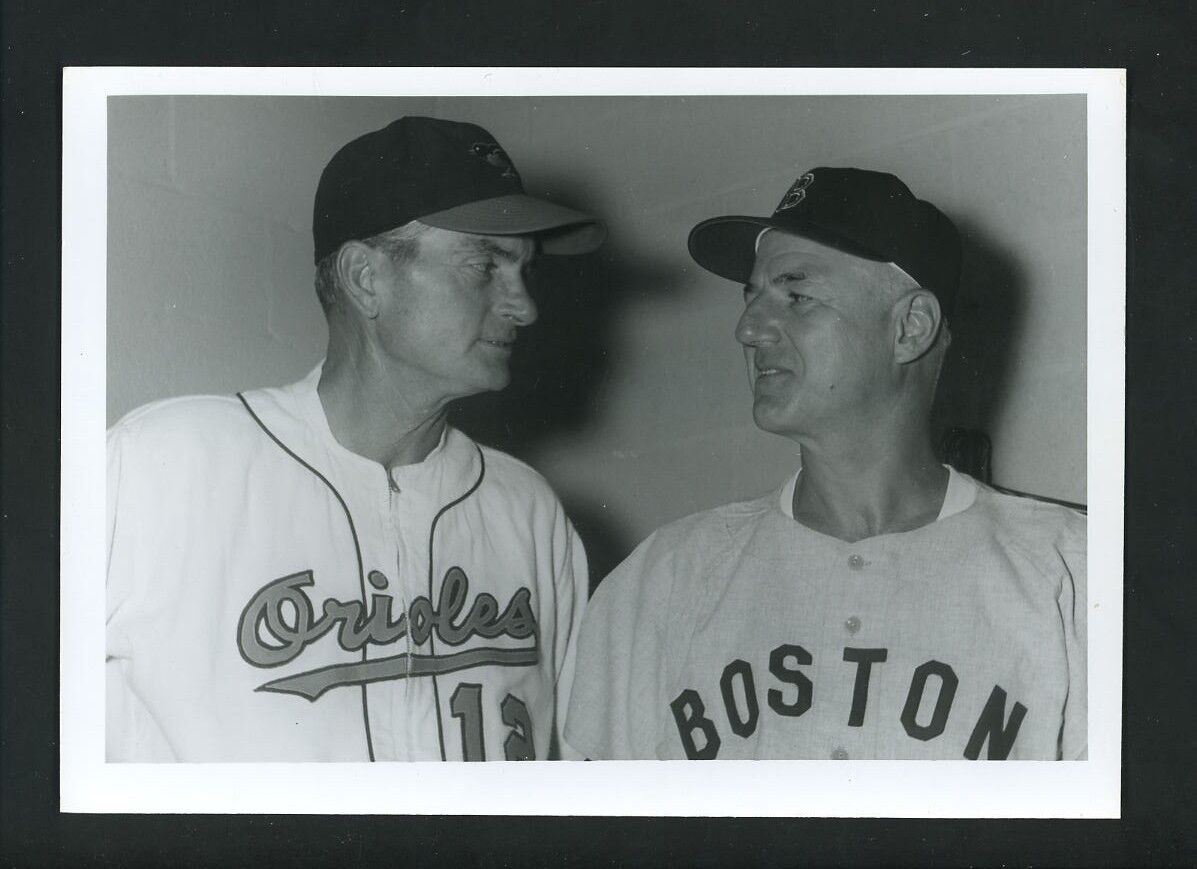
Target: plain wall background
{"points": [[630, 393]]}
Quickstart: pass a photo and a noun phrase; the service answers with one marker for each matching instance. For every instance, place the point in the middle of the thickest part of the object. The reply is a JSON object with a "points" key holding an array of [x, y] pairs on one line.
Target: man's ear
{"points": [[916, 325], [356, 274]]}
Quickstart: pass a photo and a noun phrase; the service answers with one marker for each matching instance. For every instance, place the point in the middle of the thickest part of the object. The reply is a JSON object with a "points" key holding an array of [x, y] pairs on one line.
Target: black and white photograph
{"points": [[439, 416]]}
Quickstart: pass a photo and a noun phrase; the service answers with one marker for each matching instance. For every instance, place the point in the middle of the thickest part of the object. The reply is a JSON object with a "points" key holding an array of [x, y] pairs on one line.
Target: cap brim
{"points": [[726, 246], [561, 230]]}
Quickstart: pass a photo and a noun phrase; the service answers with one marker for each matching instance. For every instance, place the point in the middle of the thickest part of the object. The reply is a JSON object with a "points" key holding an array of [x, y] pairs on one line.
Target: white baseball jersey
{"points": [[740, 633], [274, 596]]}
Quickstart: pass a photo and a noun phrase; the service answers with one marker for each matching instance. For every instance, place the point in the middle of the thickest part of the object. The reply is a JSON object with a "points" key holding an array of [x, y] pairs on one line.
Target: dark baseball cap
{"points": [[868, 214], [446, 174]]}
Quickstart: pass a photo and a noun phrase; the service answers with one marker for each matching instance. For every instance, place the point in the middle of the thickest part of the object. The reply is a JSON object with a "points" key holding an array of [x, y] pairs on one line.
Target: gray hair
{"points": [[400, 244]]}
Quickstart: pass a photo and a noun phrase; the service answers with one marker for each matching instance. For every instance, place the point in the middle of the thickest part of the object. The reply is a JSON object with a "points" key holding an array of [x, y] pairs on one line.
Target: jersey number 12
{"points": [[466, 706]]}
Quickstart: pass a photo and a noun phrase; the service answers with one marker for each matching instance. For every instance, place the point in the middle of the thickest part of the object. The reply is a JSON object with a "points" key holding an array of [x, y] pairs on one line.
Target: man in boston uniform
{"points": [[327, 571], [879, 604]]}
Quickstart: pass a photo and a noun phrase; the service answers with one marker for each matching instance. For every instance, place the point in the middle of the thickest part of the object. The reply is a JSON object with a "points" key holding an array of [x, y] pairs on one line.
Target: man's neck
{"points": [[370, 413], [855, 491]]}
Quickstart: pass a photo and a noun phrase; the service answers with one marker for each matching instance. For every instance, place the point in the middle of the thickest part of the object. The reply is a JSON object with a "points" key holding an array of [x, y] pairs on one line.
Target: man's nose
{"points": [[754, 326], [516, 303]]}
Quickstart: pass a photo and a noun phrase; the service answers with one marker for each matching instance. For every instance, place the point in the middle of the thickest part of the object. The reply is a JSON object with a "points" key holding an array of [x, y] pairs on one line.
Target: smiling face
{"points": [[447, 320], [818, 334]]}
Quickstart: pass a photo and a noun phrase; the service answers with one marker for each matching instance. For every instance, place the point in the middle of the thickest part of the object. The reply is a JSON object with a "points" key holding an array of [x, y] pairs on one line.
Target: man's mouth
{"points": [[501, 343], [768, 371]]}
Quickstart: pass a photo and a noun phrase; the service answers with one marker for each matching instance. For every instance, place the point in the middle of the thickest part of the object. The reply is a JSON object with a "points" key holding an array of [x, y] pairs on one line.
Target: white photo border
{"points": [[905, 789]]}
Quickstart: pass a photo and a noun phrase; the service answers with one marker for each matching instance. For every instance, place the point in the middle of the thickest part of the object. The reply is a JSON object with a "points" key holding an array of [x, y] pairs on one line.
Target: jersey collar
{"points": [[296, 415], [958, 497]]}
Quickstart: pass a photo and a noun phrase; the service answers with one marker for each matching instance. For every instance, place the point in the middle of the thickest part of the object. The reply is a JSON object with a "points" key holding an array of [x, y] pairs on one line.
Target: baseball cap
{"points": [[868, 214], [446, 174]]}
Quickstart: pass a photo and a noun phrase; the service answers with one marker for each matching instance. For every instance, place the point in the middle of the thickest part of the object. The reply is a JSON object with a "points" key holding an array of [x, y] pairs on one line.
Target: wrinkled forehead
{"points": [[516, 249], [776, 249]]}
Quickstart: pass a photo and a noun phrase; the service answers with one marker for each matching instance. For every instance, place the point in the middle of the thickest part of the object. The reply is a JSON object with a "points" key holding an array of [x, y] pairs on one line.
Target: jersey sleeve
{"points": [[621, 663], [130, 731], [1073, 604], [572, 582]]}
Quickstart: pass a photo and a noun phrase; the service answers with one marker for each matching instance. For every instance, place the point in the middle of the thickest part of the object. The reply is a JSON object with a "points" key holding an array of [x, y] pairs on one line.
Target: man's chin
{"points": [[771, 418], [483, 381], [495, 380]]}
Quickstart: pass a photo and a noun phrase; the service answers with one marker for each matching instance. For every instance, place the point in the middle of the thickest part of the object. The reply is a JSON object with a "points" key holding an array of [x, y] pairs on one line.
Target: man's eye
{"points": [[483, 267], [789, 279]]}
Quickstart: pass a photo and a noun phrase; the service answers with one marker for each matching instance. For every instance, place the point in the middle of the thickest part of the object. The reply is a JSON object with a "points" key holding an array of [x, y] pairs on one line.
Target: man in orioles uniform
{"points": [[878, 604], [328, 571]]}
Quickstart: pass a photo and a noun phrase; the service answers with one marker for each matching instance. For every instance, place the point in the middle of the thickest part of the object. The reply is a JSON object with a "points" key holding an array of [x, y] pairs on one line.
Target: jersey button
{"points": [[852, 625], [856, 562], [839, 753]]}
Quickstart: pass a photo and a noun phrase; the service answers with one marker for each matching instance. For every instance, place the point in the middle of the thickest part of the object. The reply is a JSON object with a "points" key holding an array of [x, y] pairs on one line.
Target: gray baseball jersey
{"points": [[740, 633]]}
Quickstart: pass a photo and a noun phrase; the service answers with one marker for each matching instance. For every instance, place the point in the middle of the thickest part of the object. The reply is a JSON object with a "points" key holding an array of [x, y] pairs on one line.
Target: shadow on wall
{"points": [[558, 369], [562, 362], [988, 321]]}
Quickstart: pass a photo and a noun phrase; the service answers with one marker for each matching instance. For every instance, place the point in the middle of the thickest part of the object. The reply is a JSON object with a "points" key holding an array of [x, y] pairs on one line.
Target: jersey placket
{"points": [[379, 581], [396, 695], [414, 704], [855, 651]]}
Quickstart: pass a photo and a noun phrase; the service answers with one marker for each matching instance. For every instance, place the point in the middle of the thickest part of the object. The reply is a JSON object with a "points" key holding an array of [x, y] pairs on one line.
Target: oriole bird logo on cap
{"points": [[495, 156]]}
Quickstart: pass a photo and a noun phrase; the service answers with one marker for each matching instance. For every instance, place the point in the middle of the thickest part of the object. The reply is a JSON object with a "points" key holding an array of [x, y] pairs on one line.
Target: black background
{"points": [[1151, 39]]}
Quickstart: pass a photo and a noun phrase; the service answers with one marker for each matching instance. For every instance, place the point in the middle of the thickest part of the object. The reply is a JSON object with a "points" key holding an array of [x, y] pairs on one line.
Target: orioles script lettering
{"points": [[280, 621]]}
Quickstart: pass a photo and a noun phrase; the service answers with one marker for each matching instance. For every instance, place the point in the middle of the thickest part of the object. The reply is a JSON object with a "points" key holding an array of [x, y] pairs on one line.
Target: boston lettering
{"points": [[700, 737]]}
